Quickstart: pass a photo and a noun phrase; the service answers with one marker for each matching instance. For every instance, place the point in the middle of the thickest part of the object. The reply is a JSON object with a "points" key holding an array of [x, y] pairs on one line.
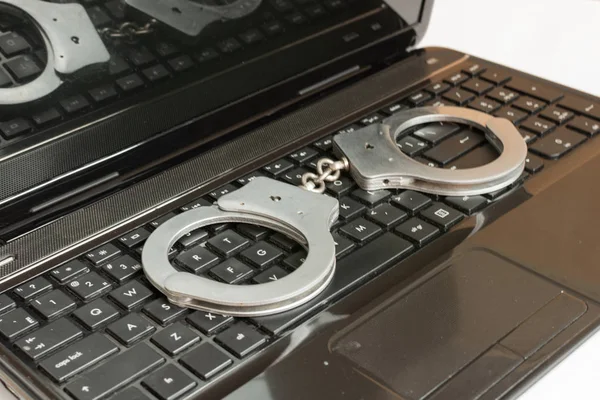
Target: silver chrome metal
{"points": [[71, 41], [190, 17], [377, 163], [300, 214], [129, 30], [329, 171]]}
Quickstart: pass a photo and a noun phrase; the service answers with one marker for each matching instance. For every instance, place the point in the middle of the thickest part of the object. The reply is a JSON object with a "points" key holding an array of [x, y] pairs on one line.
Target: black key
{"points": [[168, 383], [249, 178], [303, 155], [454, 147], [131, 295], [286, 243], [122, 268], [419, 98], [193, 237], [197, 259], [98, 16], [456, 79], [130, 83], [254, 232], [181, 63], [294, 177], [135, 237], [15, 127], [156, 73], [394, 108], [228, 243], [438, 88], [495, 76], [582, 106], [229, 45], [342, 246], [175, 338], [324, 144], [533, 163], [371, 198], [361, 230], [443, 216], [467, 204], [585, 125], [512, 114], [296, 18], [49, 338], [557, 143], [217, 228], [103, 93], [117, 65], [418, 231], [411, 201], [53, 304], [350, 208], [130, 329], [529, 105], [270, 275], [102, 253], [538, 126], [89, 286], [484, 105], [458, 96], [350, 129], [411, 146], [6, 303], [528, 137], [262, 254], [209, 323], [195, 204], [478, 86], [241, 339], [115, 373], [12, 44], [131, 393], [46, 117], [371, 119], [549, 95], [159, 221], [480, 156], [296, 259], [15, 323], [251, 36], [474, 69], [23, 68], [496, 193], [5, 80], [69, 270], [439, 103], [140, 56], [557, 115], [436, 132], [222, 191], [273, 27], [503, 95], [316, 11], [78, 357], [341, 186], [166, 49], [74, 104], [206, 361], [278, 168], [386, 215], [232, 271], [162, 311], [367, 260], [33, 288], [96, 314], [206, 55]]}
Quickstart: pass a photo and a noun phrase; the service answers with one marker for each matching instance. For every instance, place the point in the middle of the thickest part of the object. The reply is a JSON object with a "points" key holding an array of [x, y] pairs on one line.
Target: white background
{"points": [[555, 40]]}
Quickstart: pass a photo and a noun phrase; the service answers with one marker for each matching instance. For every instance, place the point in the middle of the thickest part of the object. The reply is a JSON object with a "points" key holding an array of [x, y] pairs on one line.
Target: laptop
{"points": [[434, 297]]}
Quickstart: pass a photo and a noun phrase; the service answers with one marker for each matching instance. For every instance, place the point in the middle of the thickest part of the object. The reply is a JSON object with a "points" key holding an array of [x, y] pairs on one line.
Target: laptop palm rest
{"points": [[460, 332]]}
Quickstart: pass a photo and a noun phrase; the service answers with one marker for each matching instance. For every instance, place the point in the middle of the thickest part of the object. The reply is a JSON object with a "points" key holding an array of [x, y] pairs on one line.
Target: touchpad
{"points": [[482, 314]]}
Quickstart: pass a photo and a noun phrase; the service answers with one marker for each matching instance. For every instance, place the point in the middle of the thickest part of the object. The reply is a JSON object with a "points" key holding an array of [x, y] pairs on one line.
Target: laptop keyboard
{"points": [[95, 327], [143, 66]]}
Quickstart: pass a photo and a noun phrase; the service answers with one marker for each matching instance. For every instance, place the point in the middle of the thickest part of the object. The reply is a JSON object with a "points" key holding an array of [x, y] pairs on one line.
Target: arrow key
{"points": [[169, 382], [130, 329], [272, 274]]}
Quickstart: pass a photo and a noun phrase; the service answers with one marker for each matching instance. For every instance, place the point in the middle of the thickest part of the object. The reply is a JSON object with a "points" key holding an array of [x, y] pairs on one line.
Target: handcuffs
{"points": [[373, 159]]}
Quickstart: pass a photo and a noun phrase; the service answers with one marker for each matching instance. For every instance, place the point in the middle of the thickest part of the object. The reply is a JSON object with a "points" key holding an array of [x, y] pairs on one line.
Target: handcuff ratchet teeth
{"points": [[71, 42], [375, 161], [302, 215]]}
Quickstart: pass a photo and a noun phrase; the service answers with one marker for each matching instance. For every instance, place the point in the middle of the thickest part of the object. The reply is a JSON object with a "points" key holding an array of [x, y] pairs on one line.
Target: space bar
{"points": [[115, 373], [350, 272]]}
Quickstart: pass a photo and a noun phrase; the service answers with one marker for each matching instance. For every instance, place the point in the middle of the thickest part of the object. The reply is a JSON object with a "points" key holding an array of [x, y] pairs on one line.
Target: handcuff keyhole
{"points": [[386, 182], [369, 146], [75, 39], [275, 198]]}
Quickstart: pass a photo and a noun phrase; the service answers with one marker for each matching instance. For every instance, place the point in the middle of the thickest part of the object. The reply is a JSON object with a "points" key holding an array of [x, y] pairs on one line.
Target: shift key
{"points": [[114, 374], [78, 357]]}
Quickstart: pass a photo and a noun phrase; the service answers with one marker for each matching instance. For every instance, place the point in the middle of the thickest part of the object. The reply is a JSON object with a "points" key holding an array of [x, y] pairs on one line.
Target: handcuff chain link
{"points": [[129, 30], [328, 171]]}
